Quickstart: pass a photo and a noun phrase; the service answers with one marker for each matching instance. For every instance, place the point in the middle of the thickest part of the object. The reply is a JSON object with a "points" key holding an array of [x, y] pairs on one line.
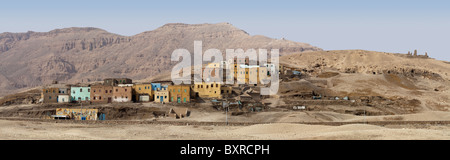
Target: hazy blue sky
{"points": [[380, 25]]}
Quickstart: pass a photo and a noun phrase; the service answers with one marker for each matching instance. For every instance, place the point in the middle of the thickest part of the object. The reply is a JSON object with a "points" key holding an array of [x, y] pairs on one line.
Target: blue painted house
{"points": [[156, 86]]}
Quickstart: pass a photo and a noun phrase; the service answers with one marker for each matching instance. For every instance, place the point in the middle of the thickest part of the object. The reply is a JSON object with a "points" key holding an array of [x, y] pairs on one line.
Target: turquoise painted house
{"points": [[80, 93]]}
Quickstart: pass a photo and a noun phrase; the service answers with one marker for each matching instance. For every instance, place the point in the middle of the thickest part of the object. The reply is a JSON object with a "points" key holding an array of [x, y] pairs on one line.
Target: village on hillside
{"points": [[123, 90]]}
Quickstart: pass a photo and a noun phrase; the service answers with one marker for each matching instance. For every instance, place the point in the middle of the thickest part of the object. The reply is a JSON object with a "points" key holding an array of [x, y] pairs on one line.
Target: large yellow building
{"points": [[180, 93], [211, 90], [251, 74], [258, 73], [140, 90], [207, 89]]}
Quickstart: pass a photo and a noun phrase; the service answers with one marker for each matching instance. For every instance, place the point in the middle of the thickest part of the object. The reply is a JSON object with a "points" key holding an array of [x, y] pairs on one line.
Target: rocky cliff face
{"points": [[75, 55]]}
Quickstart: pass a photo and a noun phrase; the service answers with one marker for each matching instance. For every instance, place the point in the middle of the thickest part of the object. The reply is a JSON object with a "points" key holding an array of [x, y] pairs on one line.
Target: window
{"points": [[73, 91], [94, 90], [212, 85], [126, 97], [165, 96], [46, 91], [185, 90], [94, 98], [157, 97], [99, 90], [217, 85], [100, 97], [89, 90], [106, 91], [81, 90], [115, 97], [222, 91], [125, 89], [53, 91], [117, 90], [49, 97], [110, 91], [179, 90]]}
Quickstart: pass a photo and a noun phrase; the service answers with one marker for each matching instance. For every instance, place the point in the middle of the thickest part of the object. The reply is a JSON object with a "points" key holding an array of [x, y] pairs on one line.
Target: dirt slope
{"points": [[369, 73]]}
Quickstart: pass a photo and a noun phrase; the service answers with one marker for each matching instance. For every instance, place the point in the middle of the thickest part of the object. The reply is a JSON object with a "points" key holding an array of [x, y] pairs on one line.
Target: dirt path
{"points": [[45, 130]]}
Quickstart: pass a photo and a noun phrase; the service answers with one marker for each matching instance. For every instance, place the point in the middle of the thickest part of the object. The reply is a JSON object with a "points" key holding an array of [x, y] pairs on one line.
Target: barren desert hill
{"points": [[370, 62], [370, 73], [73, 55]]}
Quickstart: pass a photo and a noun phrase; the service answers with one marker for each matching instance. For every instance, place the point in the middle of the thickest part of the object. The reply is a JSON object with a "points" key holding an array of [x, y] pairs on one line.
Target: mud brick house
{"points": [[49, 95], [142, 92], [122, 94], [80, 94], [101, 93], [116, 81], [178, 113], [179, 93], [56, 93], [226, 91]]}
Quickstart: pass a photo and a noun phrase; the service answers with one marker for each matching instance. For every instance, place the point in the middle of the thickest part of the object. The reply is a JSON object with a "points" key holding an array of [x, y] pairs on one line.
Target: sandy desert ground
{"points": [[25, 130]]}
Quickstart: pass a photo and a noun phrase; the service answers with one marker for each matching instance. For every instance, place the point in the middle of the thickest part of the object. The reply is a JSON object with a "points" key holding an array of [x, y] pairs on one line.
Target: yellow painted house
{"points": [[140, 90], [180, 93], [161, 95], [251, 74], [211, 90]]}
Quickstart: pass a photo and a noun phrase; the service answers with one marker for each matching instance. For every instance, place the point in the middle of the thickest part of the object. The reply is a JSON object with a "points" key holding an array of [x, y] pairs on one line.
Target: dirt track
{"points": [[80, 131], [196, 123]]}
